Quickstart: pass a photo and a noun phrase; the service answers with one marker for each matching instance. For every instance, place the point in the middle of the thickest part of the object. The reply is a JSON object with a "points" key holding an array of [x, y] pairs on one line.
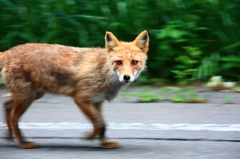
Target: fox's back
{"points": [[57, 68], [50, 54]]}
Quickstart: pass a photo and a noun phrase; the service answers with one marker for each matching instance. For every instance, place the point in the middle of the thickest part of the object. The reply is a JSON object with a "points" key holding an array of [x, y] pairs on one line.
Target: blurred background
{"points": [[190, 40]]}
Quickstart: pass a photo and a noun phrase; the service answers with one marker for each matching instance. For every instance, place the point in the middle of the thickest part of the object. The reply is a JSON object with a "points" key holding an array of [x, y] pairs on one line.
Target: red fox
{"points": [[88, 75]]}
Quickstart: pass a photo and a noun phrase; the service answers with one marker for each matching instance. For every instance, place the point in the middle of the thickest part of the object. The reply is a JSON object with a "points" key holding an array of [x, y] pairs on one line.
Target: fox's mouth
{"points": [[125, 82]]}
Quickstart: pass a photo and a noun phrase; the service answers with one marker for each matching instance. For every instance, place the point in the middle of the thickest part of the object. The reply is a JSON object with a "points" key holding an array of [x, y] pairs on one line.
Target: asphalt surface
{"points": [[161, 130]]}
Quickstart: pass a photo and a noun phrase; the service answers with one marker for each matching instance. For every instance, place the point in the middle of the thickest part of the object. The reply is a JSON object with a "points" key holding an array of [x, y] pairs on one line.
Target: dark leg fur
{"points": [[39, 95], [93, 115], [8, 107], [14, 108], [102, 138], [19, 107]]}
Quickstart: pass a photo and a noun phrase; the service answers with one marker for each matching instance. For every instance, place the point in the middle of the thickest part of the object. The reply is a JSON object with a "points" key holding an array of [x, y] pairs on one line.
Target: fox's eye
{"points": [[118, 62], [134, 62]]}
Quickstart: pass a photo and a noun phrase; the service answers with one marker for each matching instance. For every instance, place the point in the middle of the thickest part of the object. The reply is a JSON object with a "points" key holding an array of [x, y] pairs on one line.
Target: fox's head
{"points": [[128, 59]]}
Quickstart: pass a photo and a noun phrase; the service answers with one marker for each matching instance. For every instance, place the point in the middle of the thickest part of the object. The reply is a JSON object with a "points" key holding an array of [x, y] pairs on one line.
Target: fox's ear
{"points": [[142, 41], [110, 41]]}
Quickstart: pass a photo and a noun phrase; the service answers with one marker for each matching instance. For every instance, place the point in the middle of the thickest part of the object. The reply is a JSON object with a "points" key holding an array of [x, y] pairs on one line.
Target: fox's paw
{"points": [[27, 145], [110, 145], [95, 132], [89, 136]]}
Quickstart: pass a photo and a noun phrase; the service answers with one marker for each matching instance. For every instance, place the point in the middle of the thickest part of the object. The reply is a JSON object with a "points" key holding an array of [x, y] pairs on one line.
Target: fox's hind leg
{"points": [[8, 108], [20, 105], [102, 137], [13, 110]]}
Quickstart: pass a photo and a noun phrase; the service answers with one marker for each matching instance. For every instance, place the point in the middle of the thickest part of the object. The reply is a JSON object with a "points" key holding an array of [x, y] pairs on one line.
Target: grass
{"points": [[173, 94]]}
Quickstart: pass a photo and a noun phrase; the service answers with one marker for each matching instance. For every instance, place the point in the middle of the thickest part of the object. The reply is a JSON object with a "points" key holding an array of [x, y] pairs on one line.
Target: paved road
{"points": [[145, 130]]}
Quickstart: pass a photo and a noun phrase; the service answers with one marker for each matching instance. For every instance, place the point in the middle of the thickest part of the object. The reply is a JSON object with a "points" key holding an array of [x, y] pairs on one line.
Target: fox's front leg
{"points": [[102, 138], [92, 113]]}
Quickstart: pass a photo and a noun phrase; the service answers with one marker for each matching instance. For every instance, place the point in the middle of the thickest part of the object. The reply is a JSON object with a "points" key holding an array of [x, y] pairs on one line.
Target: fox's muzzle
{"points": [[126, 77]]}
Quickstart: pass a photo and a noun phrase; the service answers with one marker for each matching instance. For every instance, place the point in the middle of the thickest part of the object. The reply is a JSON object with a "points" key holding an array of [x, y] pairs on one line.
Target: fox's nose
{"points": [[126, 77]]}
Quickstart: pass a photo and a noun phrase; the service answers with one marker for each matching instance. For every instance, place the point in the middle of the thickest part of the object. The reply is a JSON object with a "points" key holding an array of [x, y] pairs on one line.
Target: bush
{"points": [[211, 26]]}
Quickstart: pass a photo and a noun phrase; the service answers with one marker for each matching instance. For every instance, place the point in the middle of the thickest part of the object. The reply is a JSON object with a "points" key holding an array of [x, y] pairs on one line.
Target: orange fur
{"points": [[89, 75]]}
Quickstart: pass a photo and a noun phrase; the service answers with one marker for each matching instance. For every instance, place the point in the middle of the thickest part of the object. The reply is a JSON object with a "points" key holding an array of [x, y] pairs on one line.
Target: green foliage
{"points": [[173, 94], [181, 95], [211, 27], [187, 65], [145, 97], [229, 99], [144, 94], [237, 89]]}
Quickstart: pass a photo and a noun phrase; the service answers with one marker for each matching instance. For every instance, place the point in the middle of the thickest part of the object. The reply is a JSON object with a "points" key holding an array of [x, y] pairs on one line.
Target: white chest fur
{"points": [[114, 87]]}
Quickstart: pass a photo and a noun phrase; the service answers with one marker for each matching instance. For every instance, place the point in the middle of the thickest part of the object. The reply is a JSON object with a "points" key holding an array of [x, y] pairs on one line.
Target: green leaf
{"points": [[178, 99], [177, 33]]}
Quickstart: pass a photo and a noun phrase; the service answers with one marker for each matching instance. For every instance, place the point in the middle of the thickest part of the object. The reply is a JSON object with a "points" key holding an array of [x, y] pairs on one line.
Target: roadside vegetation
{"points": [[190, 40]]}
